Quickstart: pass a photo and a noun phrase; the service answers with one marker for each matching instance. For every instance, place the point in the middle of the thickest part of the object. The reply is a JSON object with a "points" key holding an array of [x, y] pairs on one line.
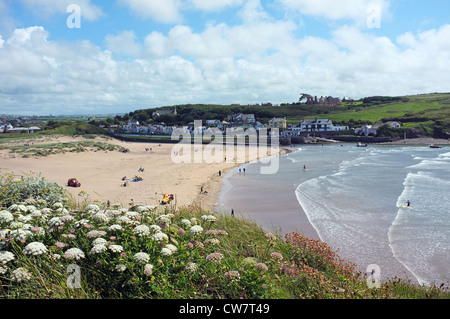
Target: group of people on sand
{"points": [[125, 180]]}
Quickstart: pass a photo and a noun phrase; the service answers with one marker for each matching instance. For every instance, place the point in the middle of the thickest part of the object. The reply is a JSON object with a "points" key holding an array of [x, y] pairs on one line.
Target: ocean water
{"points": [[354, 197]]}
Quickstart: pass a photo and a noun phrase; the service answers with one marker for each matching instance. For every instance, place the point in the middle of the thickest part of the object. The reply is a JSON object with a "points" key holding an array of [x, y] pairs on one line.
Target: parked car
{"points": [[73, 182]]}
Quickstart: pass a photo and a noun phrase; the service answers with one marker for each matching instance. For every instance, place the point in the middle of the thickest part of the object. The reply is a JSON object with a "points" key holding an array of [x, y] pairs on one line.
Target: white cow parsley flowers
{"points": [[114, 228], [185, 222], [98, 249], [115, 248], [160, 237], [95, 234], [21, 234], [141, 258], [172, 248], [35, 249], [166, 252], [55, 222], [101, 218], [191, 267], [155, 228], [6, 217], [148, 269], [6, 256], [93, 207], [74, 253], [99, 241], [120, 267], [209, 218], [141, 230], [20, 274], [195, 230]]}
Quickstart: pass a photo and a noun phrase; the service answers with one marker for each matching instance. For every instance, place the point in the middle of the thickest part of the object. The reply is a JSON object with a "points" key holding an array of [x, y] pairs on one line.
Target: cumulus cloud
{"points": [[164, 11], [124, 43], [208, 5], [259, 62], [356, 10]]}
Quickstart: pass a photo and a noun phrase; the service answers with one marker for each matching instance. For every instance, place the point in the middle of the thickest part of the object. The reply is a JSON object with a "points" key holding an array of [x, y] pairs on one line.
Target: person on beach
{"points": [[220, 173], [408, 203], [232, 212]]}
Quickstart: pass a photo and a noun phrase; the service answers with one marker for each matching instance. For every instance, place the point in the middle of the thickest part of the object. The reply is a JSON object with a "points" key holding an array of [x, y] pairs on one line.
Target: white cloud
{"points": [[165, 11], [253, 12], [124, 43], [214, 5], [89, 11], [356, 10], [259, 62]]}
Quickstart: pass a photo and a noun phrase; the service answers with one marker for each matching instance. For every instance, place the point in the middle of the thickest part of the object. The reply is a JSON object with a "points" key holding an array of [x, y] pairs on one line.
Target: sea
{"points": [[354, 199]]}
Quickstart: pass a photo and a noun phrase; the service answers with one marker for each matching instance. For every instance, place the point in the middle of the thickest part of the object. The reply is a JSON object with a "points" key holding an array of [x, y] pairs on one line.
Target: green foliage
{"points": [[153, 252], [71, 128], [56, 148], [16, 190]]}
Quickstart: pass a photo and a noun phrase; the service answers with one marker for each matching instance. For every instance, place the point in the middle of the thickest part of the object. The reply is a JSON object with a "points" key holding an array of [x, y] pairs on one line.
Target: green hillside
{"points": [[429, 114], [72, 128], [407, 109]]}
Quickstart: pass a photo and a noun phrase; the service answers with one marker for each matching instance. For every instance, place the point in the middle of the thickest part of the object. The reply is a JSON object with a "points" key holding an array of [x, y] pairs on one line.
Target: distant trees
{"points": [[376, 100]]}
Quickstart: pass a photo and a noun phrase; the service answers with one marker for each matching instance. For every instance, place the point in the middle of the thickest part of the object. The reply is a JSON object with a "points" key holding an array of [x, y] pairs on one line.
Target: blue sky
{"points": [[131, 54]]}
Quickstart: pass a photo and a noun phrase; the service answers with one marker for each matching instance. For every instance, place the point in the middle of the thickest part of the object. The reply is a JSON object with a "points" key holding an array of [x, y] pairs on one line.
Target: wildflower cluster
{"points": [[144, 245], [150, 252]]}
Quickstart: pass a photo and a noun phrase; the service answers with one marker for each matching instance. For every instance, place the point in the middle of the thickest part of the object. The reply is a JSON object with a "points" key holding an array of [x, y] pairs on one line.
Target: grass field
{"points": [[432, 107], [46, 149]]}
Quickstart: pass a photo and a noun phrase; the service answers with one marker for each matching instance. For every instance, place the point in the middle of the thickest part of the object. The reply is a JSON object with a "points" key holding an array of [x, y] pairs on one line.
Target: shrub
{"points": [[31, 188]]}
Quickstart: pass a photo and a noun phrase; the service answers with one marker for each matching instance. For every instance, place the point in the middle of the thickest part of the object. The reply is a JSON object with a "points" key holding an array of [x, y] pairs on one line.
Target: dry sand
{"points": [[101, 172]]}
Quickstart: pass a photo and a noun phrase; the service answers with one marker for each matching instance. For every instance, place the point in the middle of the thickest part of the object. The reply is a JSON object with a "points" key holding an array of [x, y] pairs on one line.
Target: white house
{"points": [[367, 130], [132, 127], [316, 125], [7, 126], [29, 130]]}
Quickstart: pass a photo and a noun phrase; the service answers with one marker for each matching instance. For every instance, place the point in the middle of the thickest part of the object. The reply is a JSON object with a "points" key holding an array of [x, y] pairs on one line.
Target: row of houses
{"points": [[8, 128], [235, 120], [239, 120], [249, 121]]}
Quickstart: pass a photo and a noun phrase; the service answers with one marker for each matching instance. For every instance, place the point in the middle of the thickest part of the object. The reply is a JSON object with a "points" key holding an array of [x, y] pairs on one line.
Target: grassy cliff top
{"points": [[156, 252]]}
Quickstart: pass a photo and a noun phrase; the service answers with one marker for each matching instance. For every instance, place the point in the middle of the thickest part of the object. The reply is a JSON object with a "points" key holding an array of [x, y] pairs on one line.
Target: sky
{"points": [[66, 57]]}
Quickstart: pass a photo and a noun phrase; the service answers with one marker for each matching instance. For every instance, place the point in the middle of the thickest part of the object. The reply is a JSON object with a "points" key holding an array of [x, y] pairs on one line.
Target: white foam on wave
{"points": [[418, 235]]}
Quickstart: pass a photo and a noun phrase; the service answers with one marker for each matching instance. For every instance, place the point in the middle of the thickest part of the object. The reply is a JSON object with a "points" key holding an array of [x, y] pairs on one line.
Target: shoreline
{"points": [[214, 185], [254, 207], [418, 141], [101, 172]]}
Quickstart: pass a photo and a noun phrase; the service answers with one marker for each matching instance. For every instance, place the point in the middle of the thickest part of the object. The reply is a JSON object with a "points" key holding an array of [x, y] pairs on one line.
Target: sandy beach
{"points": [[101, 173]]}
